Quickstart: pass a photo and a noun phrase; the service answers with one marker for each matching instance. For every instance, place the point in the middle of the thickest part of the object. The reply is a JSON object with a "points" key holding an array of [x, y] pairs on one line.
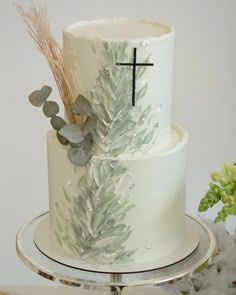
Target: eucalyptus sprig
{"points": [[223, 188], [77, 136]]}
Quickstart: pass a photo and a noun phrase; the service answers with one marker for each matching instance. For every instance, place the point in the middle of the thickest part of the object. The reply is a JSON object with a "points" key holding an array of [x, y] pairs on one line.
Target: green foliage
{"points": [[120, 126], [50, 108], [81, 106], [98, 204], [79, 156], [38, 97], [72, 132], [90, 124], [57, 122], [62, 139], [223, 188], [69, 134]]}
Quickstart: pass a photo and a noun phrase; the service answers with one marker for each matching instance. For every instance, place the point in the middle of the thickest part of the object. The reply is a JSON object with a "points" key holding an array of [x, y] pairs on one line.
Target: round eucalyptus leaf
{"points": [[50, 108], [75, 145], [89, 137], [90, 124], [86, 144], [57, 122], [81, 106], [38, 97], [72, 132], [62, 139], [78, 156]]}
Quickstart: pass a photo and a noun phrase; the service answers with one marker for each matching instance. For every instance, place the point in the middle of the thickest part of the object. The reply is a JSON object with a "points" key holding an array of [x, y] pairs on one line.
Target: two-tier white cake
{"points": [[128, 202]]}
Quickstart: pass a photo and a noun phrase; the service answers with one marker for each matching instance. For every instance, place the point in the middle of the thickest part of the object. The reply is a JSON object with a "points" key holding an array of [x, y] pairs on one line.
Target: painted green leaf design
{"points": [[50, 108], [115, 231], [141, 70], [147, 139], [122, 140], [125, 257], [118, 122], [38, 97], [102, 114], [141, 93], [72, 132], [116, 131], [105, 242], [102, 202], [59, 226], [137, 141], [82, 106], [144, 115], [59, 239], [106, 203], [57, 122], [95, 173], [97, 213]]}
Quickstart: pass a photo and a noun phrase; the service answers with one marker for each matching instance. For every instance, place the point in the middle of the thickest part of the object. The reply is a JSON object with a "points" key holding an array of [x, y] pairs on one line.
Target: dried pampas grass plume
{"points": [[37, 24]]}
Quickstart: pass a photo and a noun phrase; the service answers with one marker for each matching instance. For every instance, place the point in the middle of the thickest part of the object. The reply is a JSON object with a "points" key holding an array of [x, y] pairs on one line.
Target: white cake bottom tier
{"points": [[119, 209]]}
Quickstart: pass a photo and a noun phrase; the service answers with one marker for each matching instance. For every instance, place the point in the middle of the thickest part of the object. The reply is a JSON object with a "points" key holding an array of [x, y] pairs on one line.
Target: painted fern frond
{"points": [[97, 212], [121, 128]]}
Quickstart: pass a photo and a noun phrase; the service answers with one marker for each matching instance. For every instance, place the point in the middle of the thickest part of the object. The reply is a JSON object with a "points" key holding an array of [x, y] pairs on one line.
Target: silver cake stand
{"points": [[112, 282]]}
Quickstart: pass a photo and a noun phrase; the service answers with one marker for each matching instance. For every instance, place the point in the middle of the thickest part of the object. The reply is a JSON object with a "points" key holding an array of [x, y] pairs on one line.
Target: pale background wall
{"points": [[204, 101]]}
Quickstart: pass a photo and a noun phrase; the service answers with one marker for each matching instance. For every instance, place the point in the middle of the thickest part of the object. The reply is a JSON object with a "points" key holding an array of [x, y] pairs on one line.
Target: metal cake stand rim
{"points": [[115, 280]]}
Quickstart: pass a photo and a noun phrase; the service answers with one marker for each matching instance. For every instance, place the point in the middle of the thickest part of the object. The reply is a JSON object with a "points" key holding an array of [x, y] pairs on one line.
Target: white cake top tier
{"points": [[119, 29], [124, 68]]}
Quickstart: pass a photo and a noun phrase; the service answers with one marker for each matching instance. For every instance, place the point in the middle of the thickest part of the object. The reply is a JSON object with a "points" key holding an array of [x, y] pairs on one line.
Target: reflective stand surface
{"points": [[112, 282]]}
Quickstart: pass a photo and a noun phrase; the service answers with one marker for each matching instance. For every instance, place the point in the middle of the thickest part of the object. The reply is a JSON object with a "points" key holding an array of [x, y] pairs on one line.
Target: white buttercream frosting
{"points": [[90, 53], [155, 185], [119, 28], [129, 200]]}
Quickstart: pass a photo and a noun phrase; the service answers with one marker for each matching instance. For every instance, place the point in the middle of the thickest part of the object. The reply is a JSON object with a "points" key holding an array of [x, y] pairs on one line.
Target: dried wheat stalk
{"points": [[37, 24]]}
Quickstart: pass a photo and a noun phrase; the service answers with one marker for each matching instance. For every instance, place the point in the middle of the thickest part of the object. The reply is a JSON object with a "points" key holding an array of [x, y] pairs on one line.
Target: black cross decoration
{"points": [[134, 64]]}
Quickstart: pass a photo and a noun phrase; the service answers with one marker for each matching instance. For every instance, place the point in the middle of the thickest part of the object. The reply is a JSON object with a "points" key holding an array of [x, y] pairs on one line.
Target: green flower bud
{"points": [[225, 199], [225, 210], [234, 194], [231, 199], [229, 188], [232, 211], [224, 180], [204, 200], [214, 187], [215, 176], [223, 193], [226, 167], [234, 173], [202, 208]]}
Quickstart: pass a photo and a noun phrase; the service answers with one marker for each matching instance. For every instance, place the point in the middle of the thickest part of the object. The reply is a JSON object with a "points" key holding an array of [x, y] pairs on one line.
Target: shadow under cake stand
{"points": [[112, 281]]}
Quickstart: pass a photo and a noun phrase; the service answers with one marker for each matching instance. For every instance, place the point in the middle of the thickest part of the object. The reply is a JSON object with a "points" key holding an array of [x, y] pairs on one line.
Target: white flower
{"points": [[226, 244], [218, 278]]}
